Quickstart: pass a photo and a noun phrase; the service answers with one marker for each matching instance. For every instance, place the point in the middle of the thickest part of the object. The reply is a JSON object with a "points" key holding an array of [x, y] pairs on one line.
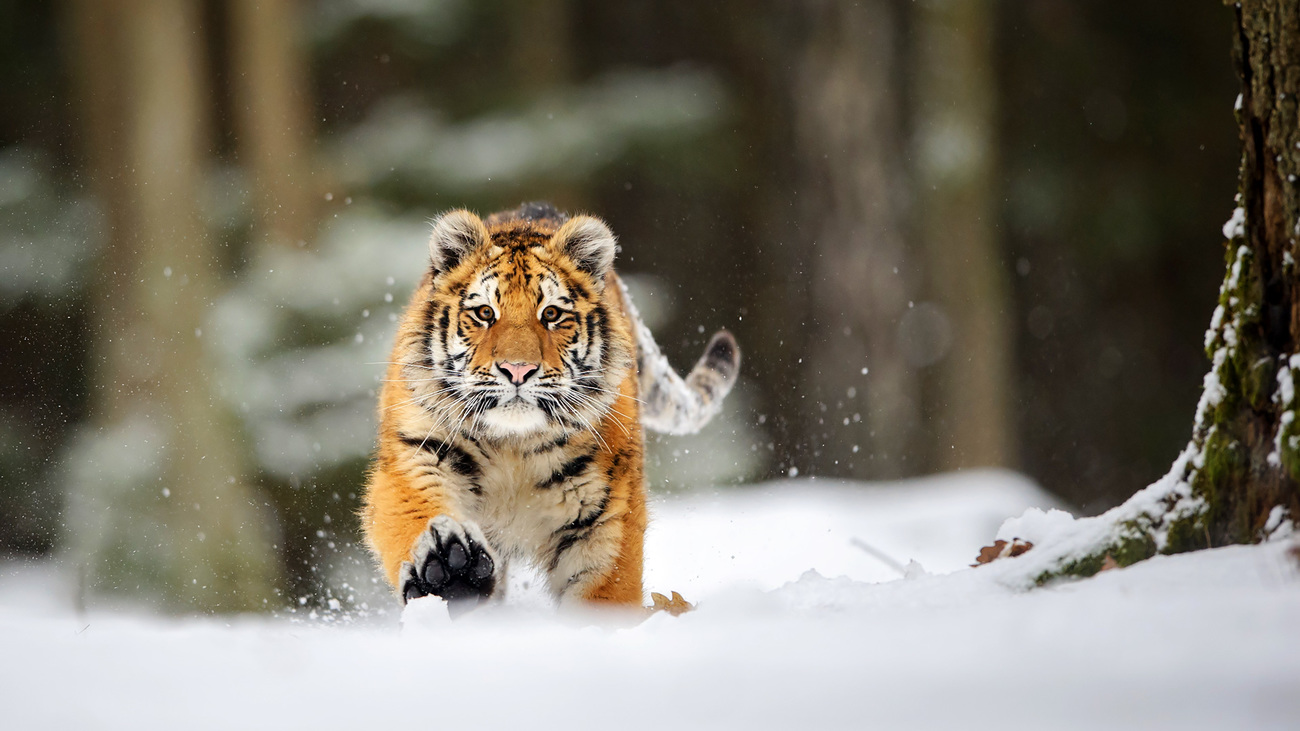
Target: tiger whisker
{"points": [[606, 390], [594, 403], [399, 363], [571, 398], [589, 428]]}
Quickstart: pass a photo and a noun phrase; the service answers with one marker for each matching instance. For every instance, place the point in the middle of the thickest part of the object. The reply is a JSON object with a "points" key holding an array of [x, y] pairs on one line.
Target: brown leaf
{"points": [[1108, 563], [675, 606], [1002, 549], [989, 553]]}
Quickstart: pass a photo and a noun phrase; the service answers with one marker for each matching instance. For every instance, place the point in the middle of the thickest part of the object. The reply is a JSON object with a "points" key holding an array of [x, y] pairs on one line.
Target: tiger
{"points": [[511, 415]]}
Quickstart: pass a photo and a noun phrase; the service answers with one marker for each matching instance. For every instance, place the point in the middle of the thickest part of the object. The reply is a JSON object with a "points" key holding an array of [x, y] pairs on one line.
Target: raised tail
{"points": [[676, 405]]}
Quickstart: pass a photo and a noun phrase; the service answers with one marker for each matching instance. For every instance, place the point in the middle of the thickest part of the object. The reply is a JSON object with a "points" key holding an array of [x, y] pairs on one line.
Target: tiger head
{"points": [[520, 338]]}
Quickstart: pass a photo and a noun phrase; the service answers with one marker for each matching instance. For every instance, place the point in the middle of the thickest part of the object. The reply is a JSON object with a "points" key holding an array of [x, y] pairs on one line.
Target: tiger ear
{"points": [[590, 243], [455, 234]]}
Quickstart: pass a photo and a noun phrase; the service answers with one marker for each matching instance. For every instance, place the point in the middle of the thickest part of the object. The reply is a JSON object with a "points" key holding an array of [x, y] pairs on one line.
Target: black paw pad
{"points": [[451, 563]]}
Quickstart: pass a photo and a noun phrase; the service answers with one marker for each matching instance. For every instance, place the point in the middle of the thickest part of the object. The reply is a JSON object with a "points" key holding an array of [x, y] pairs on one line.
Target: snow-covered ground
{"points": [[801, 624]]}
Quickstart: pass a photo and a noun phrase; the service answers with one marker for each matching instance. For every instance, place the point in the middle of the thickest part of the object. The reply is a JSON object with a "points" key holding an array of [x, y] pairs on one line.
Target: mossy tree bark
{"points": [[1246, 426], [1237, 480]]}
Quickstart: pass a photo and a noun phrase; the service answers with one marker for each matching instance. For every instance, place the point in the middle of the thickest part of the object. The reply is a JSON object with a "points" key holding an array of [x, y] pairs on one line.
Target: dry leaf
{"points": [[1108, 563], [675, 606], [1002, 549]]}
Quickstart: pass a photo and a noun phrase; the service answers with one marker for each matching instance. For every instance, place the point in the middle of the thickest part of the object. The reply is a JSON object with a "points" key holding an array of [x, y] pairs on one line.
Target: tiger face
{"points": [[519, 338]]}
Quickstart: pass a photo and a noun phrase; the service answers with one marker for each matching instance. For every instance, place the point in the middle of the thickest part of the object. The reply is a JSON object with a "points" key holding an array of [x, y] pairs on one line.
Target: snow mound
{"points": [[771, 534], [1037, 526], [801, 629]]}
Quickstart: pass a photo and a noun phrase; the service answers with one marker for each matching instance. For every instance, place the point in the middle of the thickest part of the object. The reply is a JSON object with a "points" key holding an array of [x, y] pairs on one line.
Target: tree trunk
{"points": [[541, 44], [1246, 426], [966, 330], [272, 109], [159, 509], [865, 409], [1236, 482]]}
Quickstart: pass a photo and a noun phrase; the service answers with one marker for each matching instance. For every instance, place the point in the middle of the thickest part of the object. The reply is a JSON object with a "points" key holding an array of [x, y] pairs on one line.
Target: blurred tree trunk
{"points": [[540, 61], [159, 507], [541, 48], [1239, 477], [847, 133], [967, 330], [273, 114]]}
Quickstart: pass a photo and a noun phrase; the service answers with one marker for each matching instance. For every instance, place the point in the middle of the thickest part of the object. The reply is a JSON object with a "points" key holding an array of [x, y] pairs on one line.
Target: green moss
{"points": [[1186, 534], [1079, 567], [1230, 379], [1290, 452], [1224, 460], [1135, 545], [1257, 382]]}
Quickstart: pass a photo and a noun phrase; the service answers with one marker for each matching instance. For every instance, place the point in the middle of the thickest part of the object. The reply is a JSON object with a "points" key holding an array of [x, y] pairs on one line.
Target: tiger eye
{"points": [[550, 314], [485, 313]]}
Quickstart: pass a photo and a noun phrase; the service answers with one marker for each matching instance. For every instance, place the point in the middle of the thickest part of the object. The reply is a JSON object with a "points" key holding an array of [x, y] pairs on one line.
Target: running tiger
{"points": [[510, 419]]}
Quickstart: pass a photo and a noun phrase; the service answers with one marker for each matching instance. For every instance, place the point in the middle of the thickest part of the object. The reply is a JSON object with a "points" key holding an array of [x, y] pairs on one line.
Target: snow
{"points": [[1284, 396], [1279, 525], [1150, 511], [1037, 526], [1216, 321], [1212, 392], [1235, 226], [796, 627]]}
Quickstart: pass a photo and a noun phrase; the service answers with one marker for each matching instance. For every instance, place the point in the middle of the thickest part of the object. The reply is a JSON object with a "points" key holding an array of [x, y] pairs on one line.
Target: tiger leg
{"points": [[425, 550], [602, 564]]}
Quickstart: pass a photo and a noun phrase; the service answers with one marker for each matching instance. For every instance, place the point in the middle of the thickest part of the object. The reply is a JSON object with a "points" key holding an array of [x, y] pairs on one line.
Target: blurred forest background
{"points": [[947, 234]]}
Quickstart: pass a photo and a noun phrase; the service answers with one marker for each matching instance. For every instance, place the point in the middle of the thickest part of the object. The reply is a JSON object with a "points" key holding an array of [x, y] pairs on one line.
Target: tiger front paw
{"points": [[451, 560]]}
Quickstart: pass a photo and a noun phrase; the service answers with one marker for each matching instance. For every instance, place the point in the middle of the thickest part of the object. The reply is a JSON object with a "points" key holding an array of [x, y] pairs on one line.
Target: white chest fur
{"points": [[521, 508]]}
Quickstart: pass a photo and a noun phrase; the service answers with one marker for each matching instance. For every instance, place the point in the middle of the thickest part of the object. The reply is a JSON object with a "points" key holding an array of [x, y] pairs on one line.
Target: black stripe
{"points": [[565, 544], [455, 458], [589, 520], [426, 357], [550, 407], [444, 327], [589, 332], [579, 530], [573, 579], [560, 441], [607, 352], [613, 466], [579, 289], [428, 315], [571, 469]]}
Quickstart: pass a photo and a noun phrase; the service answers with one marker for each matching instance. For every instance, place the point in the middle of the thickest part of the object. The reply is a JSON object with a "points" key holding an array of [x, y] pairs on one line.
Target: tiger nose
{"points": [[517, 372]]}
